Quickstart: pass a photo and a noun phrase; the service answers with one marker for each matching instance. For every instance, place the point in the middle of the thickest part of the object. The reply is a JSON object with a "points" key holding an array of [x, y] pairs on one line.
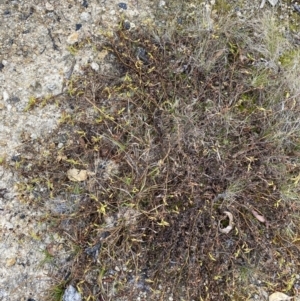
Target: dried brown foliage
{"points": [[185, 123]]}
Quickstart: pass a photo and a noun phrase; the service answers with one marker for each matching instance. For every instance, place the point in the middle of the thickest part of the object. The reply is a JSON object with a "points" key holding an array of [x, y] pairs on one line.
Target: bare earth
{"points": [[36, 59]]}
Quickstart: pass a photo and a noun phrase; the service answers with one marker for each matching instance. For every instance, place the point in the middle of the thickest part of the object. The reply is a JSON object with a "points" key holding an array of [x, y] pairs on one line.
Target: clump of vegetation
{"points": [[187, 164]]}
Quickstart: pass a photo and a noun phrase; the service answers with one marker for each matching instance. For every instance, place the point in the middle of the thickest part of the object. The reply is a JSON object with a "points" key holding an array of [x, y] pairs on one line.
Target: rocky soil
{"points": [[37, 56]]}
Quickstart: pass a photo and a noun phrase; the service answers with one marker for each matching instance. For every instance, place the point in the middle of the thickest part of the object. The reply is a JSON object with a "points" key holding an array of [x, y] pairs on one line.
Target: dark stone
{"points": [[26, 31], [78, 26], [85, 4], [1, 66], [102, 165], [6, 12], [67, 276], [30, 299], [296, 8], [142, 55], [93, 251], [22, 216], [126, 25], [16, 158], [3, 191], [105, 234], [122, 5], [13, 99]]}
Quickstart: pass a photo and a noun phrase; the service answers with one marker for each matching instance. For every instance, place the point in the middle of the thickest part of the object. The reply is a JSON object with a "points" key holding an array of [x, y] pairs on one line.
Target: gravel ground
{"points": [[35, 59], [35, 41]]}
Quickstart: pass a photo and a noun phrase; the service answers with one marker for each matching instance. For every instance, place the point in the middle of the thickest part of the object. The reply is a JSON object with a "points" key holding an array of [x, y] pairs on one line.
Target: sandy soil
{"points": [[36, 57]]}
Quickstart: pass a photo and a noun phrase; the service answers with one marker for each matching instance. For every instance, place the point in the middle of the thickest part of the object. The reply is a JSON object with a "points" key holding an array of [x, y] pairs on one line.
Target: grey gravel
{"points": [[71, 294]]}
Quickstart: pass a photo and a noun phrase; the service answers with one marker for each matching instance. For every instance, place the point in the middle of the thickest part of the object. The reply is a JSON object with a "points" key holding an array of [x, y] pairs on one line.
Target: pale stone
{"points": [[5, 96], [10, 262], [95, 66], [73, 38], [86, 17], [49, 6]]}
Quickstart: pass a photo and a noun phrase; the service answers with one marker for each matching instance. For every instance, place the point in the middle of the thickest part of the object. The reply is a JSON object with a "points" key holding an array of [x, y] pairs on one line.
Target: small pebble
{"points": [[6, 12], [132, 26], [73, 38], [117, 269], [86, 17], [5, 96], [95, 66], [49, 7], [16, 158], [10, 262], [1, 66], [78, 26], [142, 54], [296, 8], [122, 5], [51, 86], [126, 25], [85, 4], [13, 99], [71, 294]]}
